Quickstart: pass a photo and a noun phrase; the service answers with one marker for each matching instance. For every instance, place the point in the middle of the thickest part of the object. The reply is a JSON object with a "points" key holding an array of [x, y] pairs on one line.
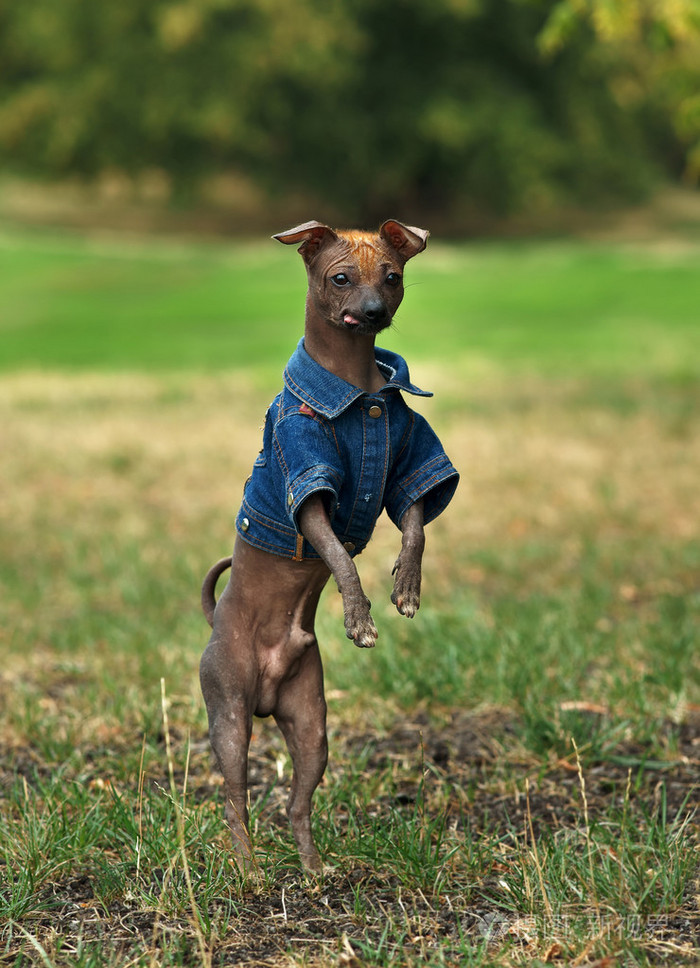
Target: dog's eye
{"points": [[393, 279], [340, 279]]}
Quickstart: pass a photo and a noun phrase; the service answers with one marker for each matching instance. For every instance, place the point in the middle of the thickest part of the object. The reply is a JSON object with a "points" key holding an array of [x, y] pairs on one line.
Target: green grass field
{"points": [[557, 307], [513, 774]]}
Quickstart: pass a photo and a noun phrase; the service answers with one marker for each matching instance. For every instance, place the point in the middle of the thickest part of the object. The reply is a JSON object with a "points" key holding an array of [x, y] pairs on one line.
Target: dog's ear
{"points": [[312, 235], [406, 239]]}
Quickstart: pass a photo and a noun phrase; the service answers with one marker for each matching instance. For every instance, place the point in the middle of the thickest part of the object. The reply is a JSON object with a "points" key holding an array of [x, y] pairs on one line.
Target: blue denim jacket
{"points": [[364, 451]]}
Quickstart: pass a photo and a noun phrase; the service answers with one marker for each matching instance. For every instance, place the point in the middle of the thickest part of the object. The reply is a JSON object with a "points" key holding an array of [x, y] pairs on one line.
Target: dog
{"points": [[339, 446]]}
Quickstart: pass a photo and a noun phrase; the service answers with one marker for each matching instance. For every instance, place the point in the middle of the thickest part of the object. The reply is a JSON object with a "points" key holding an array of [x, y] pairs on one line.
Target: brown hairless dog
{"points": [[339, 446]]}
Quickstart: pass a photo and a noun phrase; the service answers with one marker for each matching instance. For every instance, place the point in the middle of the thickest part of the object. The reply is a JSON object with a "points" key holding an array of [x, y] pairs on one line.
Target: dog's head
{"points": [[356, 278]]}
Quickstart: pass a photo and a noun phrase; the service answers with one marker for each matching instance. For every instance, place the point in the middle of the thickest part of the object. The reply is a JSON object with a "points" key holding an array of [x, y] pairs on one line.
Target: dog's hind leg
{"points": [[301, 716], [230, 728], [230, 740]]}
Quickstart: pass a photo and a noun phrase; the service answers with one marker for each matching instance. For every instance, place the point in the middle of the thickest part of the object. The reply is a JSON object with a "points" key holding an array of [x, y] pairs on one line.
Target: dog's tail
{"points": [[209, 588]]}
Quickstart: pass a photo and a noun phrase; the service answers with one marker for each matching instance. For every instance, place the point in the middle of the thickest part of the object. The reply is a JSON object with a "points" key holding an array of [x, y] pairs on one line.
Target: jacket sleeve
{"points": [[422, 470], [308, 459]]}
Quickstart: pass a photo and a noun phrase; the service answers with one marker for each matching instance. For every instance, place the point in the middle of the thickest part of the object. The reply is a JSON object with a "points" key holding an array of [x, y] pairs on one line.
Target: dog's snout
{"points": [[375, 310]]}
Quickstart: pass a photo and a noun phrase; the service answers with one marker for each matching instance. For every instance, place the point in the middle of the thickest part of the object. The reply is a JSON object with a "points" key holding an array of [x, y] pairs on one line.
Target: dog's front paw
{"points": [[359, 626], [406, 593]]}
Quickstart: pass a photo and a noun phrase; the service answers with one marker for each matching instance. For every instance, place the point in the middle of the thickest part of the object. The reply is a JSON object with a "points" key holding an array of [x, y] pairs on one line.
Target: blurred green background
{"points": [[564, 308], [457, 113]]}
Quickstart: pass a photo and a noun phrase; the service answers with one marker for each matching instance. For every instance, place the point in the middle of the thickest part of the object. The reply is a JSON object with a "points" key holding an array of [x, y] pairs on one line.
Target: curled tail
{"points": [[209, 588]]}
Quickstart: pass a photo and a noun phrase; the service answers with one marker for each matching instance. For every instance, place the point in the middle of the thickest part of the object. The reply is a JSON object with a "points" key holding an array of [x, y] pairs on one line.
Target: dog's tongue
{"points": [[350, 320]]}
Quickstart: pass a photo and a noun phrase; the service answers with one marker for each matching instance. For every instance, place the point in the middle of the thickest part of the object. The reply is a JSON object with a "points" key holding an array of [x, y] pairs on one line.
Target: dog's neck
{"points": [[347, 355]]}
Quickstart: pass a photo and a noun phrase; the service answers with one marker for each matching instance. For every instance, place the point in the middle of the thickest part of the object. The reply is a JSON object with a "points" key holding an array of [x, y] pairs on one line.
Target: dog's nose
{"points": [[375, 310]]}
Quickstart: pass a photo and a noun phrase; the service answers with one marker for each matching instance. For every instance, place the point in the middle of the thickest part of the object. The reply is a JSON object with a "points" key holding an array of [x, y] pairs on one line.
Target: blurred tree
{"points": [[656, 47], [169, 83], [452, 106]]}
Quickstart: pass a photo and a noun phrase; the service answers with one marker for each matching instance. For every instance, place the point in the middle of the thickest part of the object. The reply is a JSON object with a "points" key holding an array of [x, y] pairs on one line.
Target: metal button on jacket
{"points": [[375, 411]]}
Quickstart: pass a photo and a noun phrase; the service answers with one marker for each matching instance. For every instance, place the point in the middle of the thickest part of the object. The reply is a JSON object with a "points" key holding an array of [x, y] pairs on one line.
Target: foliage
{"points": [[658, 45], [449, 106]]}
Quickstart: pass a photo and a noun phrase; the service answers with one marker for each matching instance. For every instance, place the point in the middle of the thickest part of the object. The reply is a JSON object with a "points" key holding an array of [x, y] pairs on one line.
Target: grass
{"points": [[514, 774], [554, 307]]}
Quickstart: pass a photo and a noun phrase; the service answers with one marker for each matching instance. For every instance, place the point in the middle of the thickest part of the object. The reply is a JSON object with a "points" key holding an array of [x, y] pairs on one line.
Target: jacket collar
{"points": [[327, 394]]}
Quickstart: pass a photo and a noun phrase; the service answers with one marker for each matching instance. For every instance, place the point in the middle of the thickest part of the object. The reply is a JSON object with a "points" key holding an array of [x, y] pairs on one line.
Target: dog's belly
{"points": [[268, 611], [279, 666]]}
